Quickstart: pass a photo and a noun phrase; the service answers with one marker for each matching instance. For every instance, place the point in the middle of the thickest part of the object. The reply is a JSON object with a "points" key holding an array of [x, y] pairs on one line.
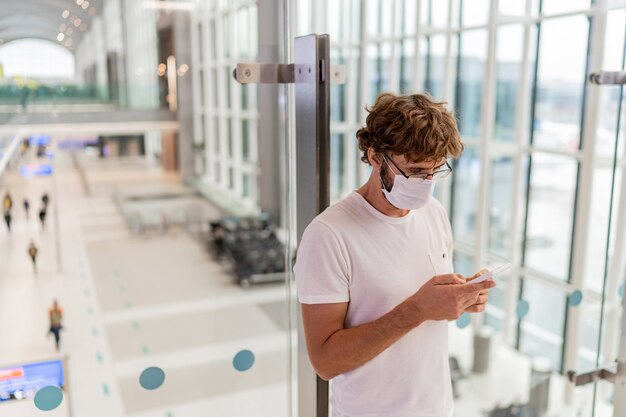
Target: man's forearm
{"points": [[347, 349]]}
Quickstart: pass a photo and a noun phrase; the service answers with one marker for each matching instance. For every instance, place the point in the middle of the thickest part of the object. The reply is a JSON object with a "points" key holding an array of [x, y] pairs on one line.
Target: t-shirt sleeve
{"points": [[321, 268]]}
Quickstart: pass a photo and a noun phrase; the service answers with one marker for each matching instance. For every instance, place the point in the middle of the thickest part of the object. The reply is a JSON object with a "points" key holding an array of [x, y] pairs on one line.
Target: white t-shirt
{"points": [[353, 253]]}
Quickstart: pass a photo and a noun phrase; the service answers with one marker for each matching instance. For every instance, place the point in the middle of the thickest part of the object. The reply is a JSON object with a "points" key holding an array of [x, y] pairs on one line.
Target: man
{"points": [[56, 315], [375, 276], [32, 252]]}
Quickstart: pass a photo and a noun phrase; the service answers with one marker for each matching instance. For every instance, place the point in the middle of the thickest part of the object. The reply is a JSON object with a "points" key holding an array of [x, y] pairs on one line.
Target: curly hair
{"points": [[414, 125]]}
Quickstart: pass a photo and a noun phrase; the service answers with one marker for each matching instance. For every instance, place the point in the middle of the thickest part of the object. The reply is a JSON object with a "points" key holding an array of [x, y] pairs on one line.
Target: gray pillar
{"points": [[182, 52], [269, 126]]}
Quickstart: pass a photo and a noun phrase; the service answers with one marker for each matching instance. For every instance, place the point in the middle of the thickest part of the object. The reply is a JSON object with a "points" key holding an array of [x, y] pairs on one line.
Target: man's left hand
{"points": [[481, 299]]}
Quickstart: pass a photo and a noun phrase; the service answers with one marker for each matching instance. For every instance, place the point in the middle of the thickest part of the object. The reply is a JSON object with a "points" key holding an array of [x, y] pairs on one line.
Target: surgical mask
{"points": [[409, 193]]}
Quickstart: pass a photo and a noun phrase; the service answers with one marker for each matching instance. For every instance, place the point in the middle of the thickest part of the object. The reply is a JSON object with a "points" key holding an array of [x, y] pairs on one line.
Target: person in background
{"points": [[7, 202], [42, 216], [32, 252], [7, 219], [56, 316], [27, 207]]}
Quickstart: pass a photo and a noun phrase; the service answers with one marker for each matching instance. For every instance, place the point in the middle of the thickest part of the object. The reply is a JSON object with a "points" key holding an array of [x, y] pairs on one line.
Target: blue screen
{"points": [[23, 381]]}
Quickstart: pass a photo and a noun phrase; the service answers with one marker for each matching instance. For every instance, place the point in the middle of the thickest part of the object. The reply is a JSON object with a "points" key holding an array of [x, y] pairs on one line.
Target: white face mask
{"points": [[408, 193]]}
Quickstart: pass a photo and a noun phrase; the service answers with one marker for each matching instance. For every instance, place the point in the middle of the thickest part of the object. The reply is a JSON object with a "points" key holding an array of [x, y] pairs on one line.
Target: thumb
{"points": [[447, 279], [477, 274]]}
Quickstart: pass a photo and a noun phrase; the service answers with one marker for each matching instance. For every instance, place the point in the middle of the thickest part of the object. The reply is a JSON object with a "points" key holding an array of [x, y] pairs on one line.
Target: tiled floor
{"points": [[155, 298]]}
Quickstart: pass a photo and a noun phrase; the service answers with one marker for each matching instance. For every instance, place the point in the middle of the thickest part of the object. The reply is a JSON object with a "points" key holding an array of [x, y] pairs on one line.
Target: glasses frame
{"points": [[443, 173]]}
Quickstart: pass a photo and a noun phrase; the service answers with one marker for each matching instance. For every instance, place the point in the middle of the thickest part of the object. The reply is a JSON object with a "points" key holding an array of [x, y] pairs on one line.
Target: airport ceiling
{"points": [[59, 21]]}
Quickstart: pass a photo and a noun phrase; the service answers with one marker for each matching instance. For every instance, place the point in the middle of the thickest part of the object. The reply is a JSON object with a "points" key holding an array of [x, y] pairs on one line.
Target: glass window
{"points": [[435, 66], [473, 54], [226, 33], [337, 174], [543, 327], [215, 136], [494, 313], [242, 33], [253, 32], [334, 21], [463, 264], [213, 88], [379, 58], [550, 214], [598, 227], [512, 7], [409, 16], [245, 139], [212, 39], [229, 136], [227, 73], [562, 6], [501, 199], [374, 9], [509, 45], [407, 51], [560, 81], [337, 91], [588, 336], [466, 180], [609, 95], [245, 180], [439, 13], [475, 12]]}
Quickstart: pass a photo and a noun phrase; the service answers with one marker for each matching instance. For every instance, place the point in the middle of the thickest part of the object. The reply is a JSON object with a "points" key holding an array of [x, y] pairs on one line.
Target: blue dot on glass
{"points": [[522, 308], [152, 378], [621, 290], [575, 298], [463, 321], [243, 360], [48, 398]]}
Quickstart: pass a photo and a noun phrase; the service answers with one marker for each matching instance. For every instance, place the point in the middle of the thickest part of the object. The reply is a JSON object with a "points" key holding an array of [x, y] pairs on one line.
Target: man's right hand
{"points": [[445, 297]]}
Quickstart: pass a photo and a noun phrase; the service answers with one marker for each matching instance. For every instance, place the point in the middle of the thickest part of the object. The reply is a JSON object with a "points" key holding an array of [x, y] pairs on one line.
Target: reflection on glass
{"points": [[475, 12], [435, 66], [501, 198], [560, 81], [550, 214], [337, 174], [542, 328], [473, 49], [509, 44], [466, 180]]}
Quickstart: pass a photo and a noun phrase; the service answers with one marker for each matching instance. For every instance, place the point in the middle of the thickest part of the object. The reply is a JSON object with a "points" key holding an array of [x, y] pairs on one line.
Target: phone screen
{"points": [[493, 270]]}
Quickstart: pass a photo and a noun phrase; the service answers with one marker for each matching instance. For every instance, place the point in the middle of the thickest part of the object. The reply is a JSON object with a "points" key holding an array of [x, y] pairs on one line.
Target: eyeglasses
{"points": [[440, 174]]}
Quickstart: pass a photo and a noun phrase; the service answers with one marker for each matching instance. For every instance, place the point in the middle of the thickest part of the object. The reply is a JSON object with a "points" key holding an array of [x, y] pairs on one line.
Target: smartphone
{"points": [[493, 270]]}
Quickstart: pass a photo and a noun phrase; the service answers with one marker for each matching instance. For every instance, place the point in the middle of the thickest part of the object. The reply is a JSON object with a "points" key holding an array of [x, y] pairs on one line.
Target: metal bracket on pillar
{"points": [[284, 73], [608, 77], [607, 373]]}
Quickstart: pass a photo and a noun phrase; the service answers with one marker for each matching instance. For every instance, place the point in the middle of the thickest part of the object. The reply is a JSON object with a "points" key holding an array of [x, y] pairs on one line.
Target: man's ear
{"points": [[374, 158]]}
